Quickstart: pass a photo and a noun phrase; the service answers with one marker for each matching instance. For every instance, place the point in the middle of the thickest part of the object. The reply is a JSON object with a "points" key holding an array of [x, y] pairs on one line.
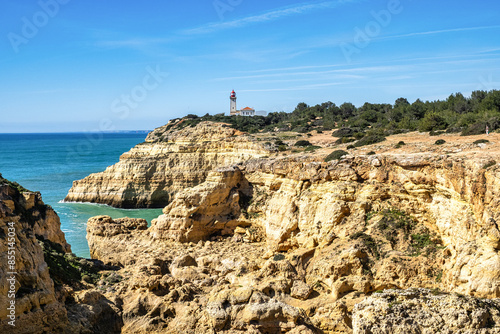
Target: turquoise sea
{"points": [[49, 163]]}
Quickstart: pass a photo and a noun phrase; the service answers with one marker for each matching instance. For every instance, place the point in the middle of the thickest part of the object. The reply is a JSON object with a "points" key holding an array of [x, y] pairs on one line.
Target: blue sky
{"points": [[69, 65]]}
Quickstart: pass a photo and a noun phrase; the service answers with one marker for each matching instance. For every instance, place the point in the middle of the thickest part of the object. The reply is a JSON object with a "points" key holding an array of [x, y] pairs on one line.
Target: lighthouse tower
{"points": [[233, 110]]}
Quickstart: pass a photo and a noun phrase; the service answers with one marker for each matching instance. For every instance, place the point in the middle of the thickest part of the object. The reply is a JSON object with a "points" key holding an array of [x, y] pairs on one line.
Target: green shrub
{"points": [[369, 242], [395, 221], [489, 164], [369, 140], [278, 257], [454, 129], [423, 241], [343, 132], [468, 119], [359, 135], [440, 142], [14, 185], [432, 121], [311, 148], [481, 141], [335, 155], [303, 143], [66, 268], [302, 129], [282, 148], [361, 123], [401, 143], [474, 129], [350, 147], [439, 277], [371, 153], [479, 128], [420, 241], [344, 140]]}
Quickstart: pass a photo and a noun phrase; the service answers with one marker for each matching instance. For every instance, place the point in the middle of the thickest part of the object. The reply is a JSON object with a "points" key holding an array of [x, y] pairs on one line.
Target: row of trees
{"points": [[469, 115], [456, 113]]}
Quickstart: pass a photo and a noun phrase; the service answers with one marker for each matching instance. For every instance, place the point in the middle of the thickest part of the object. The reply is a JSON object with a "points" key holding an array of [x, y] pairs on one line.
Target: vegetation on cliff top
{"points": [[335, 155], [395, 230], [468, 115], [14, 185], [67, 268]]}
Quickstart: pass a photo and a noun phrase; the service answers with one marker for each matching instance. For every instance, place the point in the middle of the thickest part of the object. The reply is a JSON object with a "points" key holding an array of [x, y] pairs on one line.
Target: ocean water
{"points": [[49, 163]]}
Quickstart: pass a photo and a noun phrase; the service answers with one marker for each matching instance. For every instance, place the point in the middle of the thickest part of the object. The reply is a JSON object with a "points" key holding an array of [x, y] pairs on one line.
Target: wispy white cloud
{"points": [[305, 67], [343, 72], [304, 79], [285, 89], [469, 58], [275, 14], [132, 42], [272, 15], [435, 32], [45, 91]]}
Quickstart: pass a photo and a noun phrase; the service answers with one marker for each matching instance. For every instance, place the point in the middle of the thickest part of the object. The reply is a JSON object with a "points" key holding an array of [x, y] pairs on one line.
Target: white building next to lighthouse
{"points": [[243, 112]]}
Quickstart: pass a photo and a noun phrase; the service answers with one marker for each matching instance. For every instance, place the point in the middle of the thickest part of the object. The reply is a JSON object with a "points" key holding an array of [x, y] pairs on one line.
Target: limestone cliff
{"points": [[425, 311], [292, 244], [40, 277], [256, 241], [451, 204], [24, 218], [172, 158]]}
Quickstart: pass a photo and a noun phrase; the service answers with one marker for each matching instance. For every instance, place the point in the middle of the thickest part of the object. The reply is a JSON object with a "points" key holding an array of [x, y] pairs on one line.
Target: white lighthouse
{"points": [[233, 110], [243, 112]]}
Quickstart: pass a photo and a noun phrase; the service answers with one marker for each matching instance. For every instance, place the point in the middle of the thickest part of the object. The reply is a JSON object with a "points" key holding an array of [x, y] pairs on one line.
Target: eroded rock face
{"points": [[197, 213], [257, 241], [30, 231], [171, 159], [102, 227], [291, 244], [425, 311], [24, 218], [217, 286], [356, 208]]}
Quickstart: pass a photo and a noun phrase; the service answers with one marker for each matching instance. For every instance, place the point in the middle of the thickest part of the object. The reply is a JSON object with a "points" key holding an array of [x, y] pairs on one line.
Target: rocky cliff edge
{"points": [[173, 157], [293, 244]]}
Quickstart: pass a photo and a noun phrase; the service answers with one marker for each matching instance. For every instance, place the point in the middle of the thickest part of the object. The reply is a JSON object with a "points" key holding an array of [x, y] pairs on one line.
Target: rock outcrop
{"points": [[173, 157], [41, 287], [27, 292], [425, 311], [199, 212], [388, 209], [218, 286], [382, 243], [307, 236]]}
